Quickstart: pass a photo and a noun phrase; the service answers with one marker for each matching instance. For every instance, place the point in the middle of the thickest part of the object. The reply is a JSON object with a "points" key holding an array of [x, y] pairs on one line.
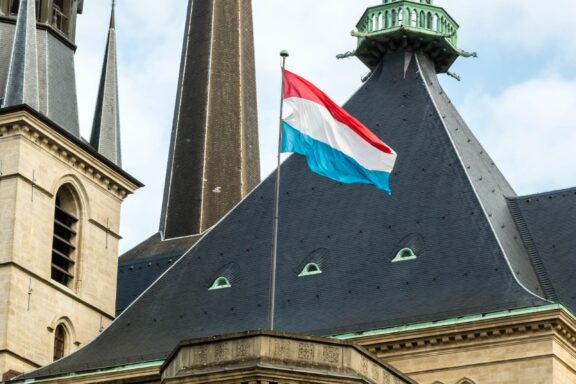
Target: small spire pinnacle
{"points": [[113, 16], [105, 137], [22, 83]]}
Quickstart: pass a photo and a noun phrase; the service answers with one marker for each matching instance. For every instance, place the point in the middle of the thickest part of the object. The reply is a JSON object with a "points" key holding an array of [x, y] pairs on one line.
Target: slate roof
{"points": [[142, 265], [547, 222], [353, 232], [22, 81]]}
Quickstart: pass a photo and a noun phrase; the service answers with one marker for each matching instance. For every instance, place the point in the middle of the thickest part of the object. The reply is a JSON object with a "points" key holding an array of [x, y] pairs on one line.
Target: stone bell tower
{"points": [[60, 197]]}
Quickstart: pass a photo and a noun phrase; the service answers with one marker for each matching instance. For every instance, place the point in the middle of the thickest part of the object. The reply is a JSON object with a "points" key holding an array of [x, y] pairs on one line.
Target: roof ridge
{"points": [[488, 184], [547, 193], [533, 253]]}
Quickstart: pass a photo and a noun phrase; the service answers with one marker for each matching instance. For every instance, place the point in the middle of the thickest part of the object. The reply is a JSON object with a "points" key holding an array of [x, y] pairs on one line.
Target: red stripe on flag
{"points": [[296, 86]]}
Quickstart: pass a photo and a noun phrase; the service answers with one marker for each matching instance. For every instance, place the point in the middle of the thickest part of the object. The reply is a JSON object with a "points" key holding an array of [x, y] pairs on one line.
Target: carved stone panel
{"points": [[281, 349], [305, 351], [331, 354]]}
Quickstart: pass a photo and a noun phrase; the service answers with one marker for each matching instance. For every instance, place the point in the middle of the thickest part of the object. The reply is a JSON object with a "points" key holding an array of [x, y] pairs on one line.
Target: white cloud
{"points": [[530, 131], [519, 23]]}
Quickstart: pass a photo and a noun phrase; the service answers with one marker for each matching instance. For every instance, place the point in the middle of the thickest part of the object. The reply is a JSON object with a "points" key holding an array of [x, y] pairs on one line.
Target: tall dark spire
{"points": [[214, 158], [106, 126], [22, 82]]}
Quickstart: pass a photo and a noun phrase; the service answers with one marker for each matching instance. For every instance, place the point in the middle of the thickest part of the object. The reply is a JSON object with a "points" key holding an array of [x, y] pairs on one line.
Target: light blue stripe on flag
{"points": [[329, 162]]}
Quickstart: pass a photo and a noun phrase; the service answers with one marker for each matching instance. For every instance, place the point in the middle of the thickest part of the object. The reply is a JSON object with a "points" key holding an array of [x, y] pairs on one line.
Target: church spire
{"points": [[105, 135], [214, 160], [22, 82]]}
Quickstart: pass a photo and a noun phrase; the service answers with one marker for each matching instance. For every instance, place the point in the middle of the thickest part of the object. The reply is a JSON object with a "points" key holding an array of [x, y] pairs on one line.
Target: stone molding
{"points": [[25, 125], [555, 322], [272, 354]]}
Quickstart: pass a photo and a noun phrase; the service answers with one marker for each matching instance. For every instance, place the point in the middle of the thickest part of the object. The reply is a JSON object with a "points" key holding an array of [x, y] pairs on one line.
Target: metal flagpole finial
{"points": [[284, 53]]}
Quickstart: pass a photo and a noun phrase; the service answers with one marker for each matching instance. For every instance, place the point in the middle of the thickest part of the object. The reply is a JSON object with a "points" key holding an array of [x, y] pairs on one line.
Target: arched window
{"points": [[380, 23], [61, 15], [400, 16], [422, 19], [393, 18], [14, 5], [414, 18], [64, 242], [429, 20], [60, 342], [386, 19]]}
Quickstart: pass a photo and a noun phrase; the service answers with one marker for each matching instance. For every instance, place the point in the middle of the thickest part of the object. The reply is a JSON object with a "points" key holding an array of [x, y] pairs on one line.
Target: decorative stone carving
{"points": [[375, 372], [364, 366], [201, 355], [241, 349], [305, 351], [330, 354], [281, 348], [221, 351]]}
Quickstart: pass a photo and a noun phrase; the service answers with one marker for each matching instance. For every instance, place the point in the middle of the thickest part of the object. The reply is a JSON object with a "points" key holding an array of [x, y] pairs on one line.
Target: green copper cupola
{"points": [[413, 25]]}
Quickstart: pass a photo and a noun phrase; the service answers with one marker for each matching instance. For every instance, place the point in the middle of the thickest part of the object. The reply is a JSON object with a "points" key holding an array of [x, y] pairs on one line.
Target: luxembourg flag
{"points": [[335, 144]]}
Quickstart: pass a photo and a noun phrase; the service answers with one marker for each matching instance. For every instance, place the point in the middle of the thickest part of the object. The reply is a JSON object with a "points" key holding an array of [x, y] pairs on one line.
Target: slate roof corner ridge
{"points": [[480, 202], [533, 253], [547, 193]]}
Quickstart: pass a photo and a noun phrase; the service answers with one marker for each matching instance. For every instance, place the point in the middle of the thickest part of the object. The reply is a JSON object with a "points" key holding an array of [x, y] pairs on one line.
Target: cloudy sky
{"points": [[518, 96]]}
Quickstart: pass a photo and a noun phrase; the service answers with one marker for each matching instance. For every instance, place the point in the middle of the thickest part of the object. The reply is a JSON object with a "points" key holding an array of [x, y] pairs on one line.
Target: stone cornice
{"points": [[24, 124], [278, 355], [556, 322]]}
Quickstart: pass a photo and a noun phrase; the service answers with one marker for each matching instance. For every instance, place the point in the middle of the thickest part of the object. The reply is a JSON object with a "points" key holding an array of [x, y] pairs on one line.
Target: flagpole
{"points": [[284, 55]]}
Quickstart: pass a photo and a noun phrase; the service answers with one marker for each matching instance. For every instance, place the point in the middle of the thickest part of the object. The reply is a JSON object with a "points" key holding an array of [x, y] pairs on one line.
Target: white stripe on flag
{"points": [[315, 121]]}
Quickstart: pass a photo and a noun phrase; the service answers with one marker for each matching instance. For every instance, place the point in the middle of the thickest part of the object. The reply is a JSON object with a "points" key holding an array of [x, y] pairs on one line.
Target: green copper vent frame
{"points": [[310, 269], [405, 254], [220, 283]]}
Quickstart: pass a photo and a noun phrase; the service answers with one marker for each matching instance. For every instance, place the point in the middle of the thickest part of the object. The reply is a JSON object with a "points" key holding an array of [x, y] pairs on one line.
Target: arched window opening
{"points": [[404, 254], [60, 341], [422, 19], [310, 269], [14, 6], [220, 283], [380, 23], [393, 17], [435, 24], [414, 18], [429, 20], [61, 15], [400, 17], [65, 236], [387, 20]]}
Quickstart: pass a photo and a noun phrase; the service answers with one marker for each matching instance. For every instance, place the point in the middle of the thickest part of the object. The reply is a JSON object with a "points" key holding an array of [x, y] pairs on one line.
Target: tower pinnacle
{"points": [[409, 25], [22, 82], [105, 137]]}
